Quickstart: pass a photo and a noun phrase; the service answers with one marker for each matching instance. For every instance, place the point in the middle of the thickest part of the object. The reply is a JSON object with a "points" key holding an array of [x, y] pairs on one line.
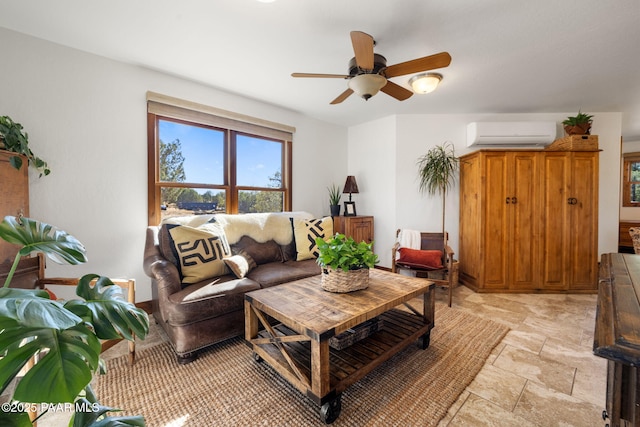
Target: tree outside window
{"points": [[203, 169]]}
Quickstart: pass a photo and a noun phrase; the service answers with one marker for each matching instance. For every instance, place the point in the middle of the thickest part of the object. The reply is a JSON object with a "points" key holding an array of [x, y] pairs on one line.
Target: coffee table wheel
{"points": [[424, 341], [330, 411], [257, 357]]}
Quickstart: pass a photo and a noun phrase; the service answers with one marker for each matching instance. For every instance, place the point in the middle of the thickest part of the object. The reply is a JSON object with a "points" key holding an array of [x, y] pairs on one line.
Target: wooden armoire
{"points": [[529, 221], [14, 198]]}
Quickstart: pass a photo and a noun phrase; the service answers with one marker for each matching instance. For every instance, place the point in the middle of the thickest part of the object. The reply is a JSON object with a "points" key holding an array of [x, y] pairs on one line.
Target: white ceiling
{"points": [[508, 56]]}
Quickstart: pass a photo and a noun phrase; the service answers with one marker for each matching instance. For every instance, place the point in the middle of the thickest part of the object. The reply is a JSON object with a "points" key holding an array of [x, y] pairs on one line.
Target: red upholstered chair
{"points": [[434, 255]]}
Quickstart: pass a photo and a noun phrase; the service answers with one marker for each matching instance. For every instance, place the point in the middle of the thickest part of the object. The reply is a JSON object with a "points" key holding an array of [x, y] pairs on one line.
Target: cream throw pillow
{"points": [[305, 232], [200, 251]]}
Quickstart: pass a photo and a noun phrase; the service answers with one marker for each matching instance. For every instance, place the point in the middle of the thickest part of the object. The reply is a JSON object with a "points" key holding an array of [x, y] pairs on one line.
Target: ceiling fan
{"points": [[369, 73]]}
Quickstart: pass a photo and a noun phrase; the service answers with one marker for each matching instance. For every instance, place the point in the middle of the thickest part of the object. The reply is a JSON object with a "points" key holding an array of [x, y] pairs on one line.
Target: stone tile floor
{"points": [[542, 374]]}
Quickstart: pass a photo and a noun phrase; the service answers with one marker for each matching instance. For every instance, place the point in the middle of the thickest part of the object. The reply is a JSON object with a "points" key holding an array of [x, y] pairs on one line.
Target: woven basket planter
{"points": [[344, 281]]}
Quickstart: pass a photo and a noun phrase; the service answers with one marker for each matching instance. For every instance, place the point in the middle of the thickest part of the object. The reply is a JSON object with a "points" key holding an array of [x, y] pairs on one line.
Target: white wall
{"points": [[371, 158], [86, 116], [416, 134]]}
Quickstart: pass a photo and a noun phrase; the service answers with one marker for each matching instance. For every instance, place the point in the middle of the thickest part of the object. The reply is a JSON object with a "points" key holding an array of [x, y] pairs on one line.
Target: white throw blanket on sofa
{"points": [[261, 227]]}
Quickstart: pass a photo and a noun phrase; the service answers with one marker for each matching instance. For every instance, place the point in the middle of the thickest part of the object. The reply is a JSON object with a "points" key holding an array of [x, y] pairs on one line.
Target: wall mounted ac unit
{"points": [[516, 134]]}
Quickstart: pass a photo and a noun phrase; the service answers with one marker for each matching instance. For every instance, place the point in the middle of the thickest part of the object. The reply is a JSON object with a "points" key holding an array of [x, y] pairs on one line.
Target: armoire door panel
{"points": [[523, 206], [583, 221], [470, 221], [554, 221], [495, 251]]}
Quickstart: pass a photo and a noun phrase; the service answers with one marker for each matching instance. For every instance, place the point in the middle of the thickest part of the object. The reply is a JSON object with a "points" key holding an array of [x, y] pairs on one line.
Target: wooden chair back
{"points": [[30, 275], [432, 241]]}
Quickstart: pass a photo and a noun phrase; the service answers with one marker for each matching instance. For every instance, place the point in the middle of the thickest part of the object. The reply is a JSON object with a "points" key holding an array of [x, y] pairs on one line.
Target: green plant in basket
{"points": [[341, 252]]}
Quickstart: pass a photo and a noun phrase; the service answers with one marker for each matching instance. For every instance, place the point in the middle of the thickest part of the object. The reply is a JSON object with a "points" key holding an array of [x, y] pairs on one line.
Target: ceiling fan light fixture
{"points": [[367, 85], [425, 83]]}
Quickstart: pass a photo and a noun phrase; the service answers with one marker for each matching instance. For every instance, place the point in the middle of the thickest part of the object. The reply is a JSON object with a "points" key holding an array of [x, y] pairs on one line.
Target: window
{"points": [[205, 160], [631, 180]]}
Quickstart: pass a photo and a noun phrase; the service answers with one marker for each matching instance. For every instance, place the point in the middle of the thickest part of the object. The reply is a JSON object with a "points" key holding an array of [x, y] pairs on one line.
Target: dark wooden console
{"points": [[617, 336]]}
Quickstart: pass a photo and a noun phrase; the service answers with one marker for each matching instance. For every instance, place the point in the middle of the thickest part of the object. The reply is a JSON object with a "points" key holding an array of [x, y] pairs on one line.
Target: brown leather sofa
{"points": [[197, 315]]}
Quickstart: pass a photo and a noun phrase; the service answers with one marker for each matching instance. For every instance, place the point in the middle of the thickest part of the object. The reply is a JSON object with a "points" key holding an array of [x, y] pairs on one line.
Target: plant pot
{"points": [[579, 129], [335, 210], [344, 281]]}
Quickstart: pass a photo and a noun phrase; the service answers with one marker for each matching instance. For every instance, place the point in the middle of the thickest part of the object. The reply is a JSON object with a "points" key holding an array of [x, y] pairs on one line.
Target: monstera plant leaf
{"points": [[94, 412], [34, 236], [105, 307], [67, 349]]}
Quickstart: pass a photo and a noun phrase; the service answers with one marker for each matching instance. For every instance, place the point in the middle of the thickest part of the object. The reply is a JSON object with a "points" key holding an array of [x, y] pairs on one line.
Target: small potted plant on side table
{"points": [[334, 199], [345, 263]]}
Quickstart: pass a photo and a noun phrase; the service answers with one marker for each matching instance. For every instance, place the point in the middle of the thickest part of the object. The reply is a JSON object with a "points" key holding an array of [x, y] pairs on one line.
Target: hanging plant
{"points": [[437, 171], [13, 139]]}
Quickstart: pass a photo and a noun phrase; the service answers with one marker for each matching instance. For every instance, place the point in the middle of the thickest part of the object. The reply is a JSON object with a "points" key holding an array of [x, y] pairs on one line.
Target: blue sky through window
{"points": [[203, 149]]}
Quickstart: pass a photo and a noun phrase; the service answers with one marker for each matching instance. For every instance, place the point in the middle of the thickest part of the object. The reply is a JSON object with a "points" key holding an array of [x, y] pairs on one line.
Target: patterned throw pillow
{"points": [[305, 232], [200, 251], [240, 264]]}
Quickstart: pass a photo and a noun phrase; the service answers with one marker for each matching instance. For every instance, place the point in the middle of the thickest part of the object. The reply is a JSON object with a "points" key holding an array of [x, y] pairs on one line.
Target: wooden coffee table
{"points": [[300, 317]]}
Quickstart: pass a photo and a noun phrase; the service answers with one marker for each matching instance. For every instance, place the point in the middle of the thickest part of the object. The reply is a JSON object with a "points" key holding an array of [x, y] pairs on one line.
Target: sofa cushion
{"points": [[305, 232], [200, 251], [240, 264], [208, 299], [261, 253], [276, 273]]}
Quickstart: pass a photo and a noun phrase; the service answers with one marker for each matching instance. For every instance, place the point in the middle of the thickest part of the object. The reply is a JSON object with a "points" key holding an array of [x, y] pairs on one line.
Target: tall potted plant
{"points": [[64, 336], [13, 139], [437, 171]]}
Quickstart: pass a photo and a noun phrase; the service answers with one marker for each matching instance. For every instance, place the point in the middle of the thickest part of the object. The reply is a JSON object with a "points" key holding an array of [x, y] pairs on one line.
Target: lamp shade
{"points": [[367, 85], [425, 83], [350, 186]]}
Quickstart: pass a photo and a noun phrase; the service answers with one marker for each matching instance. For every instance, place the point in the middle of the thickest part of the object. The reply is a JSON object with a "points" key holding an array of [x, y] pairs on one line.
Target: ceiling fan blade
{"points": [[344, 95], [324, 76], [439, 60], [396, 91], [363, 48]]}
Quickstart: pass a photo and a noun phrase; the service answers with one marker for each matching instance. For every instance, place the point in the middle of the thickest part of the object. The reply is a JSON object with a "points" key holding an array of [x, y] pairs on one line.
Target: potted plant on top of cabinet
{"points": [[580, 124], [13, 139]]}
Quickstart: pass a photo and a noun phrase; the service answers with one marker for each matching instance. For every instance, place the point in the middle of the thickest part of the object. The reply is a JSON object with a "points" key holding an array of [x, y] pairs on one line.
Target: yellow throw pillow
{"points": [[200, 251], [305, 232]]}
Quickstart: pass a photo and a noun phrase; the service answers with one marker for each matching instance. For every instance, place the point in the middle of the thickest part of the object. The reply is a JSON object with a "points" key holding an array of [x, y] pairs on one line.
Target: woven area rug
{"points": [[226, 387]]}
